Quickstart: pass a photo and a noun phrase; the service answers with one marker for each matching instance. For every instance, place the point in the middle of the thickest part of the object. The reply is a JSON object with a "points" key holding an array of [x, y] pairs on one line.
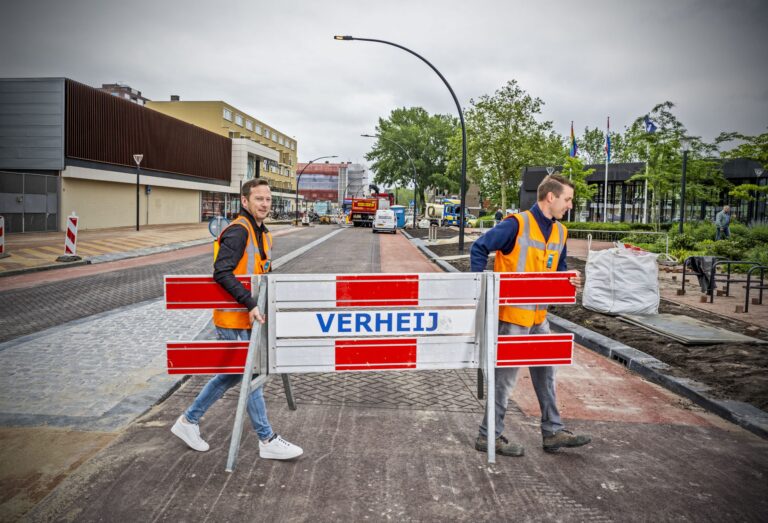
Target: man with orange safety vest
{"points": [[532, 241], [242, 248]]}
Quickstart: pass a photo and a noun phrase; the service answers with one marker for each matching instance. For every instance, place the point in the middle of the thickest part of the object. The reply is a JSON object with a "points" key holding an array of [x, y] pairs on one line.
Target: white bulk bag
{"points": [[621, 281]]}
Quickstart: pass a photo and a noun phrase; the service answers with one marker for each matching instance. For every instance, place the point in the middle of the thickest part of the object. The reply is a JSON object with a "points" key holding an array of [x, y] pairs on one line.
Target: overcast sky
{"points": [[277, 60]]}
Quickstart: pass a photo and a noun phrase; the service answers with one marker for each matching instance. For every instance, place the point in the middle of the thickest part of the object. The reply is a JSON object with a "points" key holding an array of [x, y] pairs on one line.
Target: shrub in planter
{"points": [[758, 235], [682, 241], [759, 254]]}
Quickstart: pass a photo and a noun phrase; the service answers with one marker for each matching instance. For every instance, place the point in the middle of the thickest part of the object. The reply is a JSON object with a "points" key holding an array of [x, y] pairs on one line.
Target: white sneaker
{"points": [[189, 433], [278, 448]]}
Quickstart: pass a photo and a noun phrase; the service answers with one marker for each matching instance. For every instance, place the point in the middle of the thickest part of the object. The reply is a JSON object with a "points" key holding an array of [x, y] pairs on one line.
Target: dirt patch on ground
{"points": [[734, 371]]}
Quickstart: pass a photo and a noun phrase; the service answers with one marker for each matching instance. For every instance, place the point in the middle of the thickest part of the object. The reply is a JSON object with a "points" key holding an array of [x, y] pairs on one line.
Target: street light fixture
{"points": [[137, 158], [685, 146], [461, 119], [413, 166], [298, 179]]}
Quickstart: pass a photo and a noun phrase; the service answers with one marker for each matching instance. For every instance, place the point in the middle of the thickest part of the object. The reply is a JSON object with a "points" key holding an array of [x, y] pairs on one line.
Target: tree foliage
{"points": [[573, 168], [425, 137], [504, 136]]}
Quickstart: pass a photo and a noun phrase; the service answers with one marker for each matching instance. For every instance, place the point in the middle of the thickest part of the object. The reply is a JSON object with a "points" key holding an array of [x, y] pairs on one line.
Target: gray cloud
{"points": [[278, 61]]}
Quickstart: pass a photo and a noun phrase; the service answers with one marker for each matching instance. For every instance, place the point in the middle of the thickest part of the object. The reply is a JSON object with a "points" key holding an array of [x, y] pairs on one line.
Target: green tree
{"points": [[573, 168], [504, 136], [592, 145], [754, 148], [662, 151], [425, 137]]}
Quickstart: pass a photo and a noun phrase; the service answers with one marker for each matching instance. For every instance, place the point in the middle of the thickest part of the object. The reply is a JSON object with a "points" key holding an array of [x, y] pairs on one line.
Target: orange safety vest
{"points": [[532, 253], [250, 263]]}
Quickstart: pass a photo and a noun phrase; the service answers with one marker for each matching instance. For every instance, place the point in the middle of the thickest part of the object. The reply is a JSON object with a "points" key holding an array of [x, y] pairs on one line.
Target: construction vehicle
{"points": [[363, 210], [445, 213]]}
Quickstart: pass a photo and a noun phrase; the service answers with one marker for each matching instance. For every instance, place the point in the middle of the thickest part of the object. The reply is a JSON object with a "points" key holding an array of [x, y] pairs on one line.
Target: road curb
{"points": [[743, 414]]}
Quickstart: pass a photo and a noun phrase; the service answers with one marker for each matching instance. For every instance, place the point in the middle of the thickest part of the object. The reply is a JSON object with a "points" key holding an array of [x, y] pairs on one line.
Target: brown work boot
{"points": [[503, 446], [565, 438]]}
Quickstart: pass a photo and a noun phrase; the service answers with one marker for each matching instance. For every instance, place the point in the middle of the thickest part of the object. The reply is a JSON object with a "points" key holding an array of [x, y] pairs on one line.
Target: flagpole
{"points": [[645, 190], [605, 193]]}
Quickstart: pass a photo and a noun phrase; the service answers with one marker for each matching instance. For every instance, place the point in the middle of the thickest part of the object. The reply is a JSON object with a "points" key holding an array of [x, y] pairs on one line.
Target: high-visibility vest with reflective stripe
{"points": [[532, 253], [250, 263]]}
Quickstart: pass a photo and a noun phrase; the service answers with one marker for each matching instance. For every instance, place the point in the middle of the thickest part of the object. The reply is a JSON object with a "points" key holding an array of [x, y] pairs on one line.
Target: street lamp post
{"points": [[685, 146], [461, 119], [412, 166], [298, 179], [137, 158]]}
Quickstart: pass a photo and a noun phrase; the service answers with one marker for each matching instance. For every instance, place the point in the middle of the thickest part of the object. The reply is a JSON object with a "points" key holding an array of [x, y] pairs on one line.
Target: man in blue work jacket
{"points": [[532, 241]]}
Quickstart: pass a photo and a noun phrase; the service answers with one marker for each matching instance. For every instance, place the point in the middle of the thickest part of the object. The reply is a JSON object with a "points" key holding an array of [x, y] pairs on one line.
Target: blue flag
{"points": [[650, 127]]}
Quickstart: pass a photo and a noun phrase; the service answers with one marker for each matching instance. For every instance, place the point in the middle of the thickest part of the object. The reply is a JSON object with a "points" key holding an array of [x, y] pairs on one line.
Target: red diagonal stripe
{"points": [[399, 353], [377, 290]]}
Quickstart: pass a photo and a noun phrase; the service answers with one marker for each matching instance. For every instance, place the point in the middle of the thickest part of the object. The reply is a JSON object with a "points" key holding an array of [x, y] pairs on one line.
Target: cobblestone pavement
{"points": [[97, 374], [105, 361], [30, 310]]}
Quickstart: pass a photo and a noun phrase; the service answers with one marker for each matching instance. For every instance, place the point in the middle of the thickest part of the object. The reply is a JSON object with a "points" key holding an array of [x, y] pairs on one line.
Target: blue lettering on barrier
{"points": [[325, 326], [345, 322], [362, 322], [433, 315], [380, 322]]}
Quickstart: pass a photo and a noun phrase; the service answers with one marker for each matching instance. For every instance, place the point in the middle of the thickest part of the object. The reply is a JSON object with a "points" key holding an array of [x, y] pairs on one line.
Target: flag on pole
{"points": [[574, 147], [608, 142], [650, 127]]}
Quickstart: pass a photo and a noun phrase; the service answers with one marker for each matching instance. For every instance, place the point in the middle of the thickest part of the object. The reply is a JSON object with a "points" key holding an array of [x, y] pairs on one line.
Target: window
{"points": [[280, 140], [266, 133], [239, 120], [293, 146], [274, 137], [249, 125], [227, 114], [258, 129]]}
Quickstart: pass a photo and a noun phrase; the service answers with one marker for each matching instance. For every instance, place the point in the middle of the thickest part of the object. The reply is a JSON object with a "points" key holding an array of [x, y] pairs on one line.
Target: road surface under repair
{"points": [[399, 445]]}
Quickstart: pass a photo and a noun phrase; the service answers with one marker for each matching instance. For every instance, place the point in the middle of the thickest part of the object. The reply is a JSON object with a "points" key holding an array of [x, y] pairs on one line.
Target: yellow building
{"points": [[227, 120]]}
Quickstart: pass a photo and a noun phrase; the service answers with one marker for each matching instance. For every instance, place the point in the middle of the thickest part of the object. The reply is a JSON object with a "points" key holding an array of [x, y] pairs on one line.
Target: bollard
{"points": [[703, 298], [3, 254], [739, 309], [681, 292], [70, 241]]}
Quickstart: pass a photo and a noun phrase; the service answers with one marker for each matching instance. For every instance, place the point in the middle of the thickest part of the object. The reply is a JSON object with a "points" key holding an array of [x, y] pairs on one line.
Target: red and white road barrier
{"points": [[70, 240], [371, 322], [2, 238]]}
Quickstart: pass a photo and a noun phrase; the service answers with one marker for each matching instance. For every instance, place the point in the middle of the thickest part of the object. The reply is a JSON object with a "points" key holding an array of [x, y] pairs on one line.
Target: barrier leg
{"points": [[288, 392], [491, 335], [480, 384], [254, 355]]}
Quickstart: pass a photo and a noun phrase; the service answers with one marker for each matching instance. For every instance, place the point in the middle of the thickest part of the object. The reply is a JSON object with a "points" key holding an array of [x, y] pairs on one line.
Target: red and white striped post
{"points": [[70, 240], [3, 254]]}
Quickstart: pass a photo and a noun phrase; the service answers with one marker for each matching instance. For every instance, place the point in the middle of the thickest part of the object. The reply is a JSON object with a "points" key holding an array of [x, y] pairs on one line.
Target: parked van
{"points": [[385, 221]]}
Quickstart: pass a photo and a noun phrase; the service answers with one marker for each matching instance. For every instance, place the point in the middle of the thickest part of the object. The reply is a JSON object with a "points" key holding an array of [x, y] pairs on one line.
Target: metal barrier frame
{"points": [[486, 298]]}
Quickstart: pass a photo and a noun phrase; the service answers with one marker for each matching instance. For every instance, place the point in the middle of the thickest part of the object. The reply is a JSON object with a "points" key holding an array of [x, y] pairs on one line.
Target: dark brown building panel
{"points": [[104, 128]]}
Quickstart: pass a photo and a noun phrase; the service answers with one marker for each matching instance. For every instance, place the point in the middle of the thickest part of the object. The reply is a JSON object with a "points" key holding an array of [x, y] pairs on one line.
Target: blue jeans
{"points": [[543, 379], [722, 232], [221, 383]]}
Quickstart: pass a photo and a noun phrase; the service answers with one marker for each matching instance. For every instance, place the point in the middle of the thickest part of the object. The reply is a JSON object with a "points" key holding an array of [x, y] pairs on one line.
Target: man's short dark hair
{"points": [[250, 184], [554, 183]]}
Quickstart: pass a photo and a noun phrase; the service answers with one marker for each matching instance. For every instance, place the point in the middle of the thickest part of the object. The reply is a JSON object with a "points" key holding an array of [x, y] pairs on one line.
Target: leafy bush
{"points": [[759, 254], [758, 235], [701, 230], [682, 241], [732, 249]]}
